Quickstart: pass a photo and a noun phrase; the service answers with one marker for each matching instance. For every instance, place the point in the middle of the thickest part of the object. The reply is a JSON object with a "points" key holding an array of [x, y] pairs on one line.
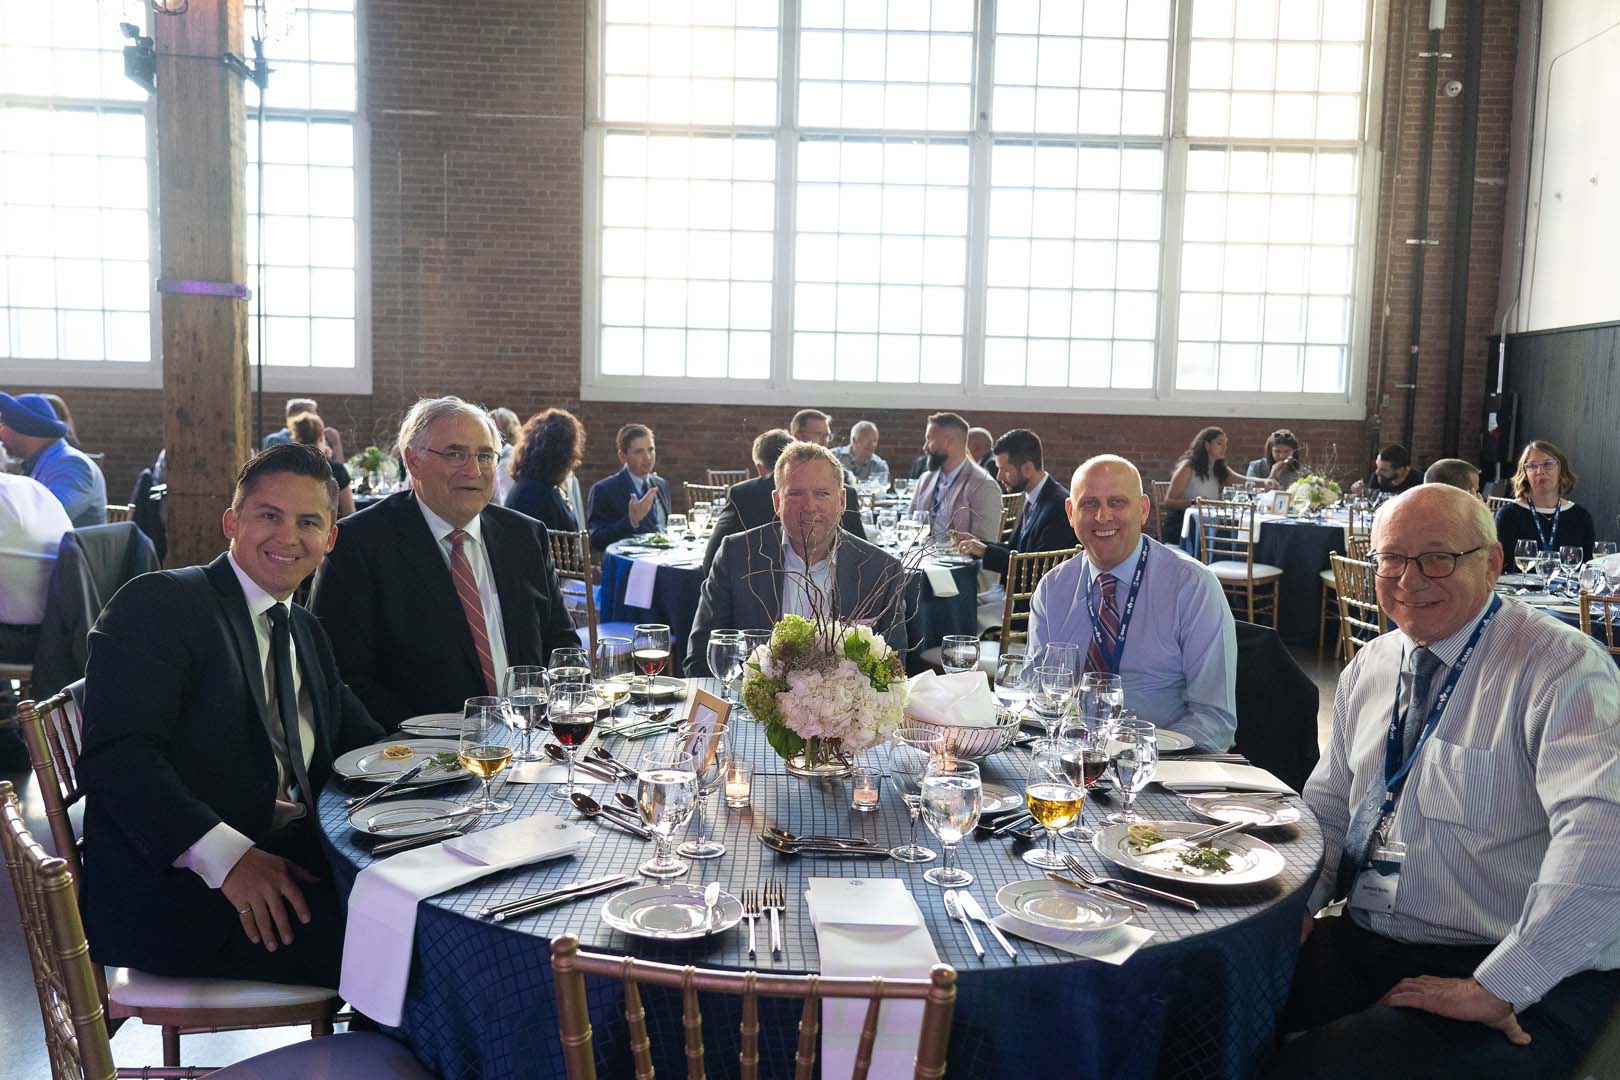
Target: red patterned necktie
{"points": [[1108, 623], [471, 606]]}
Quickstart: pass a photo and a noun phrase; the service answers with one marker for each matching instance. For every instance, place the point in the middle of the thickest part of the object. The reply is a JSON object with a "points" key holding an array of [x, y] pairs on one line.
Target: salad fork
{"points": [[750, 901], [1096, 880], [776, 904]]}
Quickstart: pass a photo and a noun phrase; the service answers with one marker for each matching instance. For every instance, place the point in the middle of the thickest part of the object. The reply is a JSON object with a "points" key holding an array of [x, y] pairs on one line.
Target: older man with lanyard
{"points": [[1472, 784], [1180, 671]]}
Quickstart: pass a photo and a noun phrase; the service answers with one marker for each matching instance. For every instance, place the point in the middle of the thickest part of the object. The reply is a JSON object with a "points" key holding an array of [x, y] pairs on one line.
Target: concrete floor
{"points": [[136, 1044]]}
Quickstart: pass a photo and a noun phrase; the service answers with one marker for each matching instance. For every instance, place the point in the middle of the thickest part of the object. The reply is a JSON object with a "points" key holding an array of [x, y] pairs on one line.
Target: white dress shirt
{"points": [[32, 522], [795, 592], [1511, 813], [483, 574]]}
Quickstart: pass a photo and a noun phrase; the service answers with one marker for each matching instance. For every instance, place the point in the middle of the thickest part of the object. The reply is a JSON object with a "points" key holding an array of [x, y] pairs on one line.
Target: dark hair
{"points": [[804, 416], [300, 459], [629, 434], [306, 428], [1280, 437], [549, 447], [1020, 445], [1521, 478], [1396, 455], [1452, 471], [950, 420], [769, 446], [1197, 456]]}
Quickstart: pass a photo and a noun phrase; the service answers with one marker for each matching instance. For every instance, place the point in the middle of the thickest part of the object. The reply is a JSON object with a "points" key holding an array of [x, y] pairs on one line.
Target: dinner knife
{"points": [[1098, 889], [553, 901], [547, 894], [971, 905], [403, 778], [1202, 836]]}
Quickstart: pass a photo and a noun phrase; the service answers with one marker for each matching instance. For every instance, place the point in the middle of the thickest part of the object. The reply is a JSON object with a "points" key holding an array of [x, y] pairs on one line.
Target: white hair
{"points": [[861, 428], [421, 416]]}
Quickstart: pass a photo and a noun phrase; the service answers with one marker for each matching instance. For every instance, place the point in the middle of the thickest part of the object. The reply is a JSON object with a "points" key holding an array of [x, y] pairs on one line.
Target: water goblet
{"points": [[524, 691], [1134, 756], [960, 652], [1054, 687], [1570, 558], [676, 527], [570, 665], [1013, 673], [666, 792], [951, 797], [1102, 696], [710, 748], [725, 656]]}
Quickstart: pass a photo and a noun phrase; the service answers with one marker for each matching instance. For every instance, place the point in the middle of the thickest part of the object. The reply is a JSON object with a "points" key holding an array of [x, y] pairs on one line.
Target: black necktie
{"points": [[286, 742]]}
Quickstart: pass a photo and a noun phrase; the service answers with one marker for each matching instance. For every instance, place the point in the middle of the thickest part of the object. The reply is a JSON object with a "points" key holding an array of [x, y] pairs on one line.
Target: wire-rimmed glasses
{"points": [[910, 751]]}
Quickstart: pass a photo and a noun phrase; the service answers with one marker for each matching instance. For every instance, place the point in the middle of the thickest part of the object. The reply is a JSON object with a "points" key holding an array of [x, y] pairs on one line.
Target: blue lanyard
{"points": [[1551, 534], [1394, 770], [1124, 617]]}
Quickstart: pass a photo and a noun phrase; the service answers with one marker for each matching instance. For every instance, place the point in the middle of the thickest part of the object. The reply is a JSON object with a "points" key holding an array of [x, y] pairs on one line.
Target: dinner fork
{"points": [[776, 904], [1096, 880], [750, 899]]}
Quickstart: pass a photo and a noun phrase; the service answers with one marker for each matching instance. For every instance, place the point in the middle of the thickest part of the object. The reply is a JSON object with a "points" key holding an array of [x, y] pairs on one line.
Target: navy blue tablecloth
{"points": [[1300, 549], [1199, 1000], [674, 599]]}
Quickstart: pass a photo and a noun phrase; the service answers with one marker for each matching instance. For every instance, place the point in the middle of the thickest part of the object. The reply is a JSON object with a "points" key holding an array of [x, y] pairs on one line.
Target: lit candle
{"points": [[865, 797], [739, 784]]}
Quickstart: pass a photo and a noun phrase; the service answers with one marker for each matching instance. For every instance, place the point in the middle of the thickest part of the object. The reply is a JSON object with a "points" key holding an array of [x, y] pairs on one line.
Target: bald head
{"points": [[1439, 507], [1115, 466], [1107, 508]]}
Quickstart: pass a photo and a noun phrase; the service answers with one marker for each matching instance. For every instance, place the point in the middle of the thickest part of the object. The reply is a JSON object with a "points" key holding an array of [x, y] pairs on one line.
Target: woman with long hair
{"points": [[1540, 511], [1200, 473], [551, 447], [309, 429], [1280, 463]]}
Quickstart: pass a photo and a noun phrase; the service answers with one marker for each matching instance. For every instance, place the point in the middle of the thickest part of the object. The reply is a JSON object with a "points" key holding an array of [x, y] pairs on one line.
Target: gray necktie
{"points": [[283, 727]]}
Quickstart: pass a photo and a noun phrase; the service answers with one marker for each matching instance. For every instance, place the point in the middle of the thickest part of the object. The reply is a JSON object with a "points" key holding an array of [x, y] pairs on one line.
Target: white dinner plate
{"points": [[998, 799], [1170, 742], [1062, 907], [953, 559], [425, 816], [663, 686], [446, 725], [669, 912], [1231, 806], [1251, 860], [368, 762]]}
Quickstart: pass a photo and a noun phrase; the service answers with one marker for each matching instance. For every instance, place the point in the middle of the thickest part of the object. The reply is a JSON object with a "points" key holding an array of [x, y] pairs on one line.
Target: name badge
{"points": [[1380, 881]]}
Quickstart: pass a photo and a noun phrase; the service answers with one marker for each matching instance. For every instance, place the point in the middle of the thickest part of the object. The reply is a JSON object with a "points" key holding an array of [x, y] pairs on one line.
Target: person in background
{"points": [[1280, 464], [60, 408], [1540, 511], [1043, 523], [31, 430], [1200, 473], [32, 522], [548, 451], [506, 422], [295, 406], [811, 426], [1455, 472], [1467, 918], [633, 500], [308, 430], [955, 493], [1392, 473], [860, 459], [749, 504], [981, 448]]}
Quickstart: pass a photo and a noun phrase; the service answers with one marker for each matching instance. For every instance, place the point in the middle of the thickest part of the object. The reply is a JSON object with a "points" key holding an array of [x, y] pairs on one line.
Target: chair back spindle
{"points": [[1606, 609], [1024, 571]]}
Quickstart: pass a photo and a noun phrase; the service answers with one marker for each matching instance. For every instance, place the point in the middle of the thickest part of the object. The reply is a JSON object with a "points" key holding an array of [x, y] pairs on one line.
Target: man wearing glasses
{"points": [[429, 595], [1469, 913]]}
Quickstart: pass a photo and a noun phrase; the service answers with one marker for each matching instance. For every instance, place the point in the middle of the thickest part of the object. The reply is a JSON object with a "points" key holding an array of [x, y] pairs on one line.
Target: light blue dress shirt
{"points": [[74, 478], [1180, 665]]}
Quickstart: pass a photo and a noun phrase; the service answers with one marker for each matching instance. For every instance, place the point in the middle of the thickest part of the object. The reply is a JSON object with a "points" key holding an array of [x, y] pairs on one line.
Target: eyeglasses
{"points": [[1539, 466], [1431, 564], [458, 457]]}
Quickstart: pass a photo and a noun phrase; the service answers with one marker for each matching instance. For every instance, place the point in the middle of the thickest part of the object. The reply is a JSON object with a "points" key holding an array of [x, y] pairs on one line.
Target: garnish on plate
{"points": [[1208, 859], [1144, 835], [445, 761]]}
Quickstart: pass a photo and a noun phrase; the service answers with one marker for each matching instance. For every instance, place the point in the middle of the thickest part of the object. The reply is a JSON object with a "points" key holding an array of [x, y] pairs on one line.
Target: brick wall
{"points": [[476, 181]]}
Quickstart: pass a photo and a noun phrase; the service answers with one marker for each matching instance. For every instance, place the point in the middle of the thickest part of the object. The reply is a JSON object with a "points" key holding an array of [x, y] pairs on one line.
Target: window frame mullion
{"points": [[787, 176]]}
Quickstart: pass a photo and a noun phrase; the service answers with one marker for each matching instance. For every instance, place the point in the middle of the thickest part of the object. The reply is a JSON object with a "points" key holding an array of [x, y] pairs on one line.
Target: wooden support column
{"points": [[202, 237]]}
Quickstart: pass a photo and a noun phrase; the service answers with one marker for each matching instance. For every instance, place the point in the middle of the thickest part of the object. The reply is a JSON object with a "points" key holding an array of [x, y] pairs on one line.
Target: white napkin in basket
{"points": [[959, 699]]}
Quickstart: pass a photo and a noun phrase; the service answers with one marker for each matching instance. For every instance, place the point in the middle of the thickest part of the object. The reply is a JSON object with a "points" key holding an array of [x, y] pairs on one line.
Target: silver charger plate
{"points": [[367, 818], [953, 559], [1062, 907], [1231, 806], [368, 763], [446, 725], [998, 799], [669, 912], [1251, 860]]}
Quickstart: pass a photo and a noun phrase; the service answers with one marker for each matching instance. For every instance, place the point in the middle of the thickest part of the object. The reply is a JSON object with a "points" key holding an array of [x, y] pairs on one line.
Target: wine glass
{"points": [[725, 658], [951, 794], [910, 751], [1012, 680], [1084, 747], [570, 665], [886, 521], [651, 654], [960, 652], [1061, 654], [1134, 754], [1570, 558], [1053, 797], [611, 670], [573, 716], [666, 791], [524, 689], [1525, 554], [922, 525], [1054, 687], [482, 748], [710, 747], [1593, 580], [1547, 567], [1102, 697], [676, 527], [1602, 548]]}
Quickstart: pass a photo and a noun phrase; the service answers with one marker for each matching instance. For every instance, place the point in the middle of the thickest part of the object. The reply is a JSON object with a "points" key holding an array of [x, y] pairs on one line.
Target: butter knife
{"points": [[547, 894], [564, 898], [971, 905]]}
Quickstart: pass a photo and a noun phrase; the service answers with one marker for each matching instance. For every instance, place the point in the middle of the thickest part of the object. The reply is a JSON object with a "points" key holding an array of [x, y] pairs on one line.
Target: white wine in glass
{"points": [[483, 750]]}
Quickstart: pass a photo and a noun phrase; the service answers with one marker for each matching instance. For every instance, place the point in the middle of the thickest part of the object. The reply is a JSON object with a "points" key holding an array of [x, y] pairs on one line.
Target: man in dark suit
{"points": [[799, 562], [749, 504], [213, 711], [430, 595], [1042, 523], [633, 500]]}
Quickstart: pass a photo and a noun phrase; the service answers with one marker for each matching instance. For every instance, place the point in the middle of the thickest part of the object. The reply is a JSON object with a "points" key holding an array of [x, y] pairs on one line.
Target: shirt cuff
{"points": [[214, 856], [1514, 975]]}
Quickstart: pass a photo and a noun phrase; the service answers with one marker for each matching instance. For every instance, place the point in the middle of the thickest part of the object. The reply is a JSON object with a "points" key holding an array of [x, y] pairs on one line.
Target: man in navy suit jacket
{"points": [[1042, 523], [633, 500], [212, 713]]}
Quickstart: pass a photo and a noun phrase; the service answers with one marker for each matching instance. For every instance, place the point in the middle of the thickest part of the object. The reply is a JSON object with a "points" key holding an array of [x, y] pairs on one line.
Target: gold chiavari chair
{"points": [[726, 477], [1493, 503], [1154, 525], [703, 494], [1226, 540], [77, 1040], [1360, 617], [1011, 507], [51, 732], [1357, 543], [1024, 571], [570, 965], [571, 556], [1604, 613]]}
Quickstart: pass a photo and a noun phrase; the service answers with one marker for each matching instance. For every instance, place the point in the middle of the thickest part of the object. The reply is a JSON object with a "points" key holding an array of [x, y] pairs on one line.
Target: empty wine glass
{"points": [[1053, 689], [1547, 567], [1012, 680], [483, 749], [524, 690], [960, 652], [1602, 548], [1054, 798], [676, 526], [710, 747], [1134, 753], [910, 751], [1570, 558], [1061, 654], [725, 658], [666, 792], [570, 665], [651, 655], [1593, 580], [753, 641], [951, 798]]}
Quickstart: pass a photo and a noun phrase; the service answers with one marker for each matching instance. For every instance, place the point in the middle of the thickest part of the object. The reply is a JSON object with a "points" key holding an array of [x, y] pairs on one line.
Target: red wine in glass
{"points": [[573, 728], [1094, 765], [651, 661]]}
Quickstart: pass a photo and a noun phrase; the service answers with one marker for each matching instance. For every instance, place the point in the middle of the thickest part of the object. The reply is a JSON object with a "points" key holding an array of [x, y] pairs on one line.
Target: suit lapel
{"points": [[432, 579], [517, 623], [762, 576], [233, 605], [314, 681]]}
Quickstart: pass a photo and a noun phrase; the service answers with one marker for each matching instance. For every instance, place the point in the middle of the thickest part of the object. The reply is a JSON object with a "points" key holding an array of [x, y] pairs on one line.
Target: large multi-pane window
{"points": [[1042, 201], [78, 208]]}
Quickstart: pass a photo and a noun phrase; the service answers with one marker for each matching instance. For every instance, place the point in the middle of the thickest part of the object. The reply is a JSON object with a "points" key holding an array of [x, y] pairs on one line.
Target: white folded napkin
{"points": [[381, 932], [1181, 776], [958, 699], [638, 589], [866, 927], [1114, 946], [941, 580]]}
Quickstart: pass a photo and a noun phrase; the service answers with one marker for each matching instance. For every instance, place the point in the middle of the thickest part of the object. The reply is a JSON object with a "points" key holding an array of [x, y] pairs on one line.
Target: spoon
{"points": [[776, 843], [600, 753], [711, 895], [591, 809], [627, 801], [794, 838], [557, 753]]}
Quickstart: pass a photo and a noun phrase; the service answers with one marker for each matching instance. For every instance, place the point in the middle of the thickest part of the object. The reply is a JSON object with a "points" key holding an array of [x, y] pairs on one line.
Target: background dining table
{"points": [[1300, 548], [1199, 999]]}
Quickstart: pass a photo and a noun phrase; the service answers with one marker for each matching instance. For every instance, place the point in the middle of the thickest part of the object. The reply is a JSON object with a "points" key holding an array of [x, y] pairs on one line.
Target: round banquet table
{"points": [[1198, 1000], [1300, 549], [1562, 608]]}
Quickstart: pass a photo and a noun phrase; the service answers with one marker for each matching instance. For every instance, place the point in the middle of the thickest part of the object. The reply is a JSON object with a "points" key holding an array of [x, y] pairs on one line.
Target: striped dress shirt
{"points": [[1511, 813]]}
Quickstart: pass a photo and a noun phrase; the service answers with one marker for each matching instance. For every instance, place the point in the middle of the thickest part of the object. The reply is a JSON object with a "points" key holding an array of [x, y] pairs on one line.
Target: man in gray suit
{"points": [[798, 562]]}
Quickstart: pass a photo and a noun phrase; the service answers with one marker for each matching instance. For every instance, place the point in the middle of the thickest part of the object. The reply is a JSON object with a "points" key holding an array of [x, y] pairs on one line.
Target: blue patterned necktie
{"points": [[1423, 663], [1107, 622]]}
